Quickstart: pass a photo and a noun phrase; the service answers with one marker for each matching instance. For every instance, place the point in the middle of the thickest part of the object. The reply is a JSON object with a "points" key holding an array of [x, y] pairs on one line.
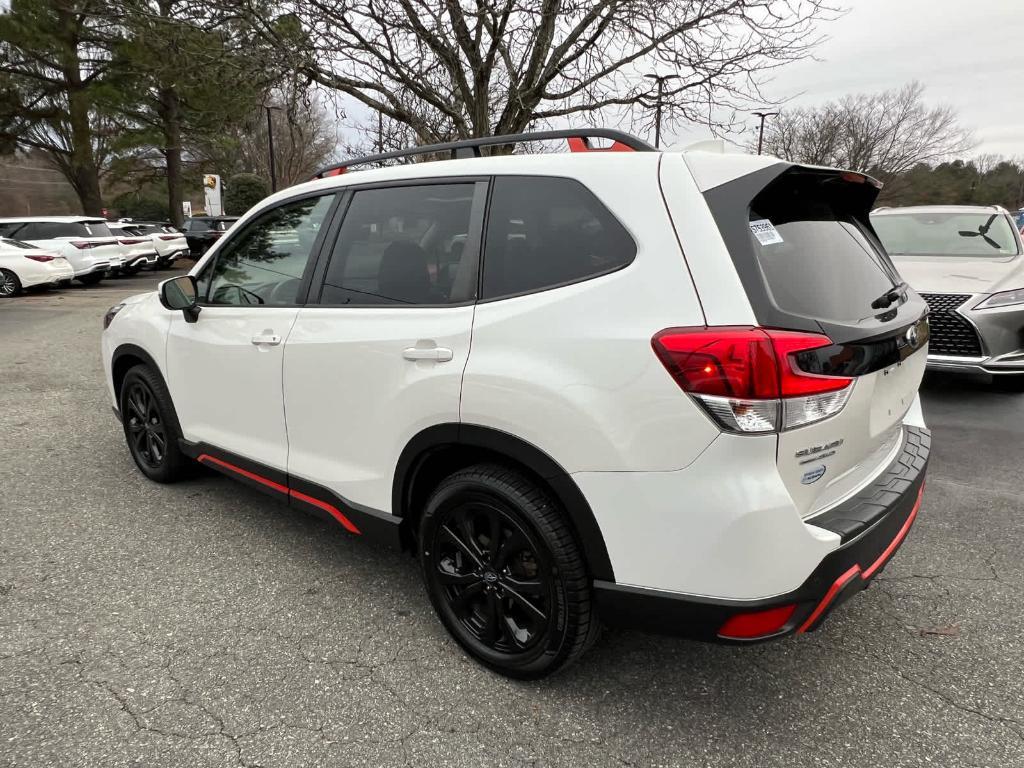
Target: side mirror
{"points": [[180, 293]]}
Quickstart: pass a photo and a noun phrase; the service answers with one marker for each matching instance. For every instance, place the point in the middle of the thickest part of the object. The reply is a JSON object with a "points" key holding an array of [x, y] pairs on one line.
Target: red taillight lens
{"points": [[43, 257], [82, 245], [748, 626], [130, 241], [748, 378], [169, 237]]}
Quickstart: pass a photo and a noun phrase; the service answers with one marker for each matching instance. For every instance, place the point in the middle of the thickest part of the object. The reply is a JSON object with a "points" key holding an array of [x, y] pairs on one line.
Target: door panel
{"points": [[227, 389], [354, 399]]}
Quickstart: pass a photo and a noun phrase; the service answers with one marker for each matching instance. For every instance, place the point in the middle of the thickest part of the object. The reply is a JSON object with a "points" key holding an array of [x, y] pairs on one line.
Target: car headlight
{"points": [[109, 317], [1003, 299]]}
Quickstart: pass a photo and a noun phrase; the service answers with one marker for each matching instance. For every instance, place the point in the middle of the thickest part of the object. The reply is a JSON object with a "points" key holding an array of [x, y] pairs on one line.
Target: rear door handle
{"points": [[438, 354], [267, 338]]}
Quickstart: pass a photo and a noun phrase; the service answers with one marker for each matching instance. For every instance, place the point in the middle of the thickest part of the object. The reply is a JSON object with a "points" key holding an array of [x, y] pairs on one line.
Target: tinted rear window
{"points": [[544, 232], [97, 229], [817, 258]]}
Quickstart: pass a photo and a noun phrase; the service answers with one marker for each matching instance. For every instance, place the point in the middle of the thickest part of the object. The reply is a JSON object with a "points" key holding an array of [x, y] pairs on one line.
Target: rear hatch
{"points": [[809, 261], [95, 238]]}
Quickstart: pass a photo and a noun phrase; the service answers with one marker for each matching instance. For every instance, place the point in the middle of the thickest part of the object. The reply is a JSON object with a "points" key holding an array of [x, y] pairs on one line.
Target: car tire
{"points": [[151, 427], [10, 285], [1009, 382], [504, 572], [93, 278]]}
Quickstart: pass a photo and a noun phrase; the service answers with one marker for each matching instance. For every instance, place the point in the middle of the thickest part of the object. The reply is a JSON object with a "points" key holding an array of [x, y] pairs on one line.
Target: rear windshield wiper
{"points": [[890, 297]]}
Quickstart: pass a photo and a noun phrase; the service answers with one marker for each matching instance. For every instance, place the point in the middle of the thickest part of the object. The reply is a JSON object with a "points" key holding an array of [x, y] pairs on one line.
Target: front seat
{"points": [[403, 274]]}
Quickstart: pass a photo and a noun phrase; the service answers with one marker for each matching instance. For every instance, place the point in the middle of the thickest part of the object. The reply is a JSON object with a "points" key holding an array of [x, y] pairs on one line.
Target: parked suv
{"points": [[203, 231], [968, 263], [675, 391], [86, 242]]}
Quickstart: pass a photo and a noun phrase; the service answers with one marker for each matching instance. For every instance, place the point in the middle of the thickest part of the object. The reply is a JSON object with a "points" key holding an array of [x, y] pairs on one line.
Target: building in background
{"points": [[30, 186]]}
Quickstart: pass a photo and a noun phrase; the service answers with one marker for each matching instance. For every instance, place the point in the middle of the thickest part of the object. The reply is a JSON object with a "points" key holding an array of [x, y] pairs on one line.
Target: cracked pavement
{"points": [[204, 624]]}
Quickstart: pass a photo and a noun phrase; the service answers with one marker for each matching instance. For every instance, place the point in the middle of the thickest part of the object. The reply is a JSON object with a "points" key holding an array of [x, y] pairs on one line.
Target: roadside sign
{"points": [[186, 208]]}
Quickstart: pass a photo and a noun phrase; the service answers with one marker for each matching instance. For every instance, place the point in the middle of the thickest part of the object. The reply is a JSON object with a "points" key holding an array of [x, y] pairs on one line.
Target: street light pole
{"points": [[760, 133], [270, 148], [660, 79]]}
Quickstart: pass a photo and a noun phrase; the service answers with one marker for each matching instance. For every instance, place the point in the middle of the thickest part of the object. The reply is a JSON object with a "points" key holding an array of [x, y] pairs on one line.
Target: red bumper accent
{"points": [[865, 574]]}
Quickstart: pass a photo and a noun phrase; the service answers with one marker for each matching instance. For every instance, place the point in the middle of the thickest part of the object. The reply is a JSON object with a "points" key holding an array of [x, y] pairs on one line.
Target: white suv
{"points": [[676, 391], [85, 241]]}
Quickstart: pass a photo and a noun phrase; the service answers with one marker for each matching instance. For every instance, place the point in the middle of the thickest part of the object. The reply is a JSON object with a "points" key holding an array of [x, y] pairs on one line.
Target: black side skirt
{"points": [[309, 497]]}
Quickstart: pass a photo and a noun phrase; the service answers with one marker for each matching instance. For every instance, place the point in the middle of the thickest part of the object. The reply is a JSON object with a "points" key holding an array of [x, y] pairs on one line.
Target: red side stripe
{"points": [[895, 542], [244, 473], [329, 508]]}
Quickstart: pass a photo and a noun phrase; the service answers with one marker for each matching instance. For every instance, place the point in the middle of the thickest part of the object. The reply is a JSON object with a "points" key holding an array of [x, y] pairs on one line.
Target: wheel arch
{"points": [[125, 357], [440, 450]]}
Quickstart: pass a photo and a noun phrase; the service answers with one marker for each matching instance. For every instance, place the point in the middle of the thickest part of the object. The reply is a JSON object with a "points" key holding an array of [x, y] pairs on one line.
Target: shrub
{"points": [[242, 192]]}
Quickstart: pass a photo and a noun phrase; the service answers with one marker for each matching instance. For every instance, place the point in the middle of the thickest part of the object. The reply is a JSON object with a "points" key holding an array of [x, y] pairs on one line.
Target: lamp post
{"points": [[760, 133], [270, 147], [660, 80]]}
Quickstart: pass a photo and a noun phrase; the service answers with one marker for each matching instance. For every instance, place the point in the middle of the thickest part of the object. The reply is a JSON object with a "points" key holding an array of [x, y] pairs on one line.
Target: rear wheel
{"points": [[92, 278], [151, 426], [10, 285], [504, 572]]}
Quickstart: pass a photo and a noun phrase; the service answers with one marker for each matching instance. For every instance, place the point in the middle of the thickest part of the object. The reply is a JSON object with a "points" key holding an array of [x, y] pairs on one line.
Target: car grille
{"points": [[950, 333]]}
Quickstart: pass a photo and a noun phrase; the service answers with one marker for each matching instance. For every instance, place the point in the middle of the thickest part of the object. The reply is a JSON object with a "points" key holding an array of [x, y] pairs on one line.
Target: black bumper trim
{"points": [[898, 488]]}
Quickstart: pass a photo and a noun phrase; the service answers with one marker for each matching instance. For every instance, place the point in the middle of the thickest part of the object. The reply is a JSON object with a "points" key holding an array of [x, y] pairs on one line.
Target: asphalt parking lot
{"points": [[204, 624]]}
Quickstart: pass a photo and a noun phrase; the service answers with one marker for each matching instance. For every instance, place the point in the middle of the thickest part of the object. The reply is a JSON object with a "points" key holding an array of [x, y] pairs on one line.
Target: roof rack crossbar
{"points": [[471, 147]]}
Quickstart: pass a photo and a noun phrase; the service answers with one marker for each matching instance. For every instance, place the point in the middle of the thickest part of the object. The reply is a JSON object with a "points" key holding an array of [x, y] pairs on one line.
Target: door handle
{"points": [[267, 338], [438, 354]]}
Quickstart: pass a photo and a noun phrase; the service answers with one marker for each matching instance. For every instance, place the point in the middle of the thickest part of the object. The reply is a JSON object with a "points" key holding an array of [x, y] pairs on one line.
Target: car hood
{"points": [[953, 274]]}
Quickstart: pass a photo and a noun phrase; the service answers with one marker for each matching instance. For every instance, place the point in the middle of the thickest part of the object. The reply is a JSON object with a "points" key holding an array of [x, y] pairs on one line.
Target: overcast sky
{"points": [[968, 53]]}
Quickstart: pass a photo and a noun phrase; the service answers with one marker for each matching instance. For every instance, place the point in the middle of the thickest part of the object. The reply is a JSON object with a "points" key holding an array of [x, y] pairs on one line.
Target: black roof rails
{"points": [[578, 142]]}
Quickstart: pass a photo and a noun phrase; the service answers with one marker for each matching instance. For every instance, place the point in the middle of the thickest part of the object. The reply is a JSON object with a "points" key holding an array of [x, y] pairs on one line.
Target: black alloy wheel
{"points": [[504, 572], [151, 426], [147, 435]]}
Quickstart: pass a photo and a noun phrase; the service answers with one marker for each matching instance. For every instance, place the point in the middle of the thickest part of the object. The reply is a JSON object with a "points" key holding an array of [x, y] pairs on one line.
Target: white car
{"points": [[675, 391], [137, 248], [25, 266], [170, 244], [85, 241]]}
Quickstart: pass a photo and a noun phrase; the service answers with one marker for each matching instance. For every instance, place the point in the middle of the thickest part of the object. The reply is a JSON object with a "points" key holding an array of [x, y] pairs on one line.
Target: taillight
{"points": [[748, 379], [130, 241], [82, 245], [169, 237], [43, 257]]}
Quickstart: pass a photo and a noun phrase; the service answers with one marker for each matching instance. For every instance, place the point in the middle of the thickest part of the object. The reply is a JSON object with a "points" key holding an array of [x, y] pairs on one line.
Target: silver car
{"points": [[966, 261]]}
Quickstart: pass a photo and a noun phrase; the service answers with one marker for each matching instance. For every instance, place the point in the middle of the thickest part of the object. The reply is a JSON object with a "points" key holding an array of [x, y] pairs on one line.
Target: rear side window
{"points": [[404, 246], [544, 232], [816, 257], [49, 230]]}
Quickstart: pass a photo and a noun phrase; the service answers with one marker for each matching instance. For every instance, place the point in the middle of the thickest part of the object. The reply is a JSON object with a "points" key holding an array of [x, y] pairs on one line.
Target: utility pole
{"points": [[660, 79], [760, 133], [380, 133], [270, 147]]}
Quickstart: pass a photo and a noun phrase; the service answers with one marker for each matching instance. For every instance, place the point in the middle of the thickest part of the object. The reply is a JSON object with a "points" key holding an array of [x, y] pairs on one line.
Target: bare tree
{"points": [[465, 68], [885, 133]]}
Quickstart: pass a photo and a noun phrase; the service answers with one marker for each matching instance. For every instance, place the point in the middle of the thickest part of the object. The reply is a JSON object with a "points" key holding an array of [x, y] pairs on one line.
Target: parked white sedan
{"points": [[23, 266]]}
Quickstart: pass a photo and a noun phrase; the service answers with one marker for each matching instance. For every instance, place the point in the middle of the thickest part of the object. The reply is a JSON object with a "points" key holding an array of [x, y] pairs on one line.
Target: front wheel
{"points": [[504, 572], [10, 285], [151, 426]]}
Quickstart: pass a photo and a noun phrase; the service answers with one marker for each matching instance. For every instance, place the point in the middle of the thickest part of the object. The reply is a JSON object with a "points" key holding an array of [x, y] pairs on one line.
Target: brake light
{"points": [[130, 241], [169, 237], [748, 379], [83, 245], [42, 257]]}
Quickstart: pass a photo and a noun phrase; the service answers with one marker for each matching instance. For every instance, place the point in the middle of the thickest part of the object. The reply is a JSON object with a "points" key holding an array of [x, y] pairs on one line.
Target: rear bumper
{"points": [[872, 526]]}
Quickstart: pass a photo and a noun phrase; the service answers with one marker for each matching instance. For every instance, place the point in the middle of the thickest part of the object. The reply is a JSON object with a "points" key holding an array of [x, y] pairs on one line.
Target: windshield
{"points": [[927, 233]]}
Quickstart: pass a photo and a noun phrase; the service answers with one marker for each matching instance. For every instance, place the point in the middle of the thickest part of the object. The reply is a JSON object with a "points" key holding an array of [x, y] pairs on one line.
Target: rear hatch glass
{"points": [[816, 258]]}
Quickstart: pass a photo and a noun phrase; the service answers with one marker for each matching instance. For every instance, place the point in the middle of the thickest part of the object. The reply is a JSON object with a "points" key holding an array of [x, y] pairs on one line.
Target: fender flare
{"points": [[530, 456]]}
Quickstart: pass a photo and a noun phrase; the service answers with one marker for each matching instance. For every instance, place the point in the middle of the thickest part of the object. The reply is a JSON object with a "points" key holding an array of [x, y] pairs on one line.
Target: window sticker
{"points": [[765, 232]]}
